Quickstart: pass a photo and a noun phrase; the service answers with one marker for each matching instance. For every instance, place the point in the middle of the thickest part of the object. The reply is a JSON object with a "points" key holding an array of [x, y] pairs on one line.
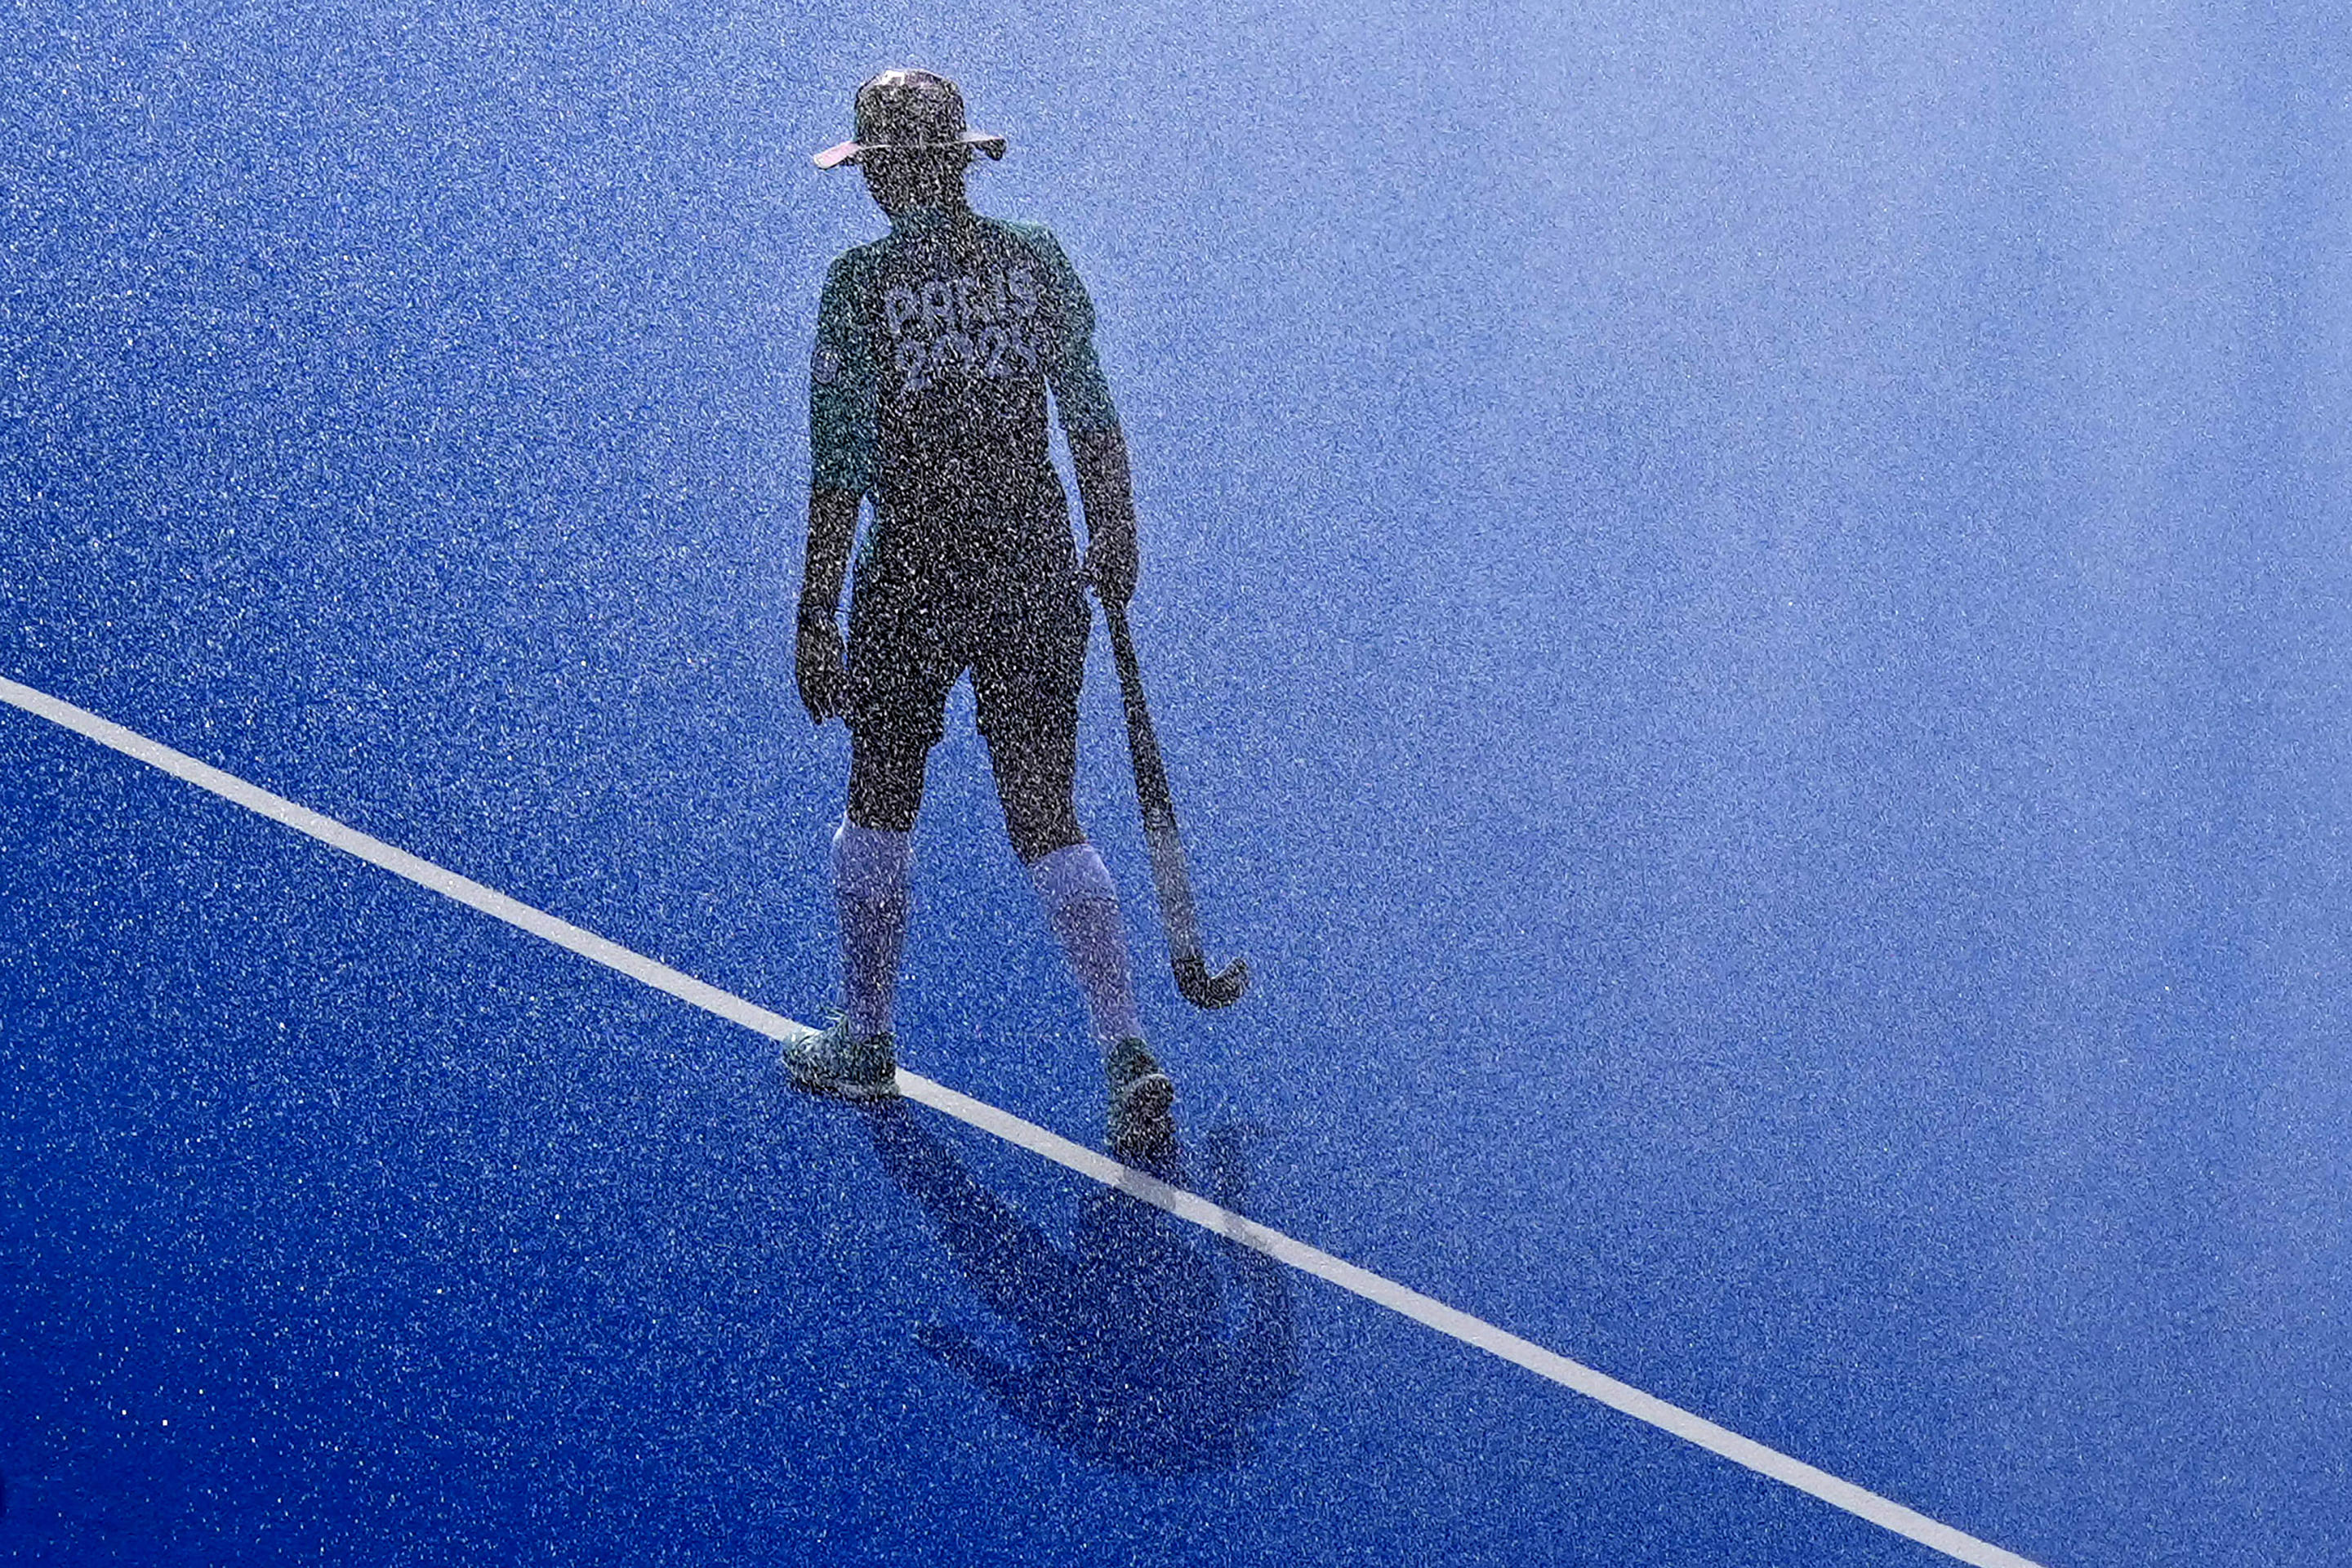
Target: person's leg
{"points": [[1028, 711], [873, 857], [1082, 906], [1033, 748], [900, 678]]}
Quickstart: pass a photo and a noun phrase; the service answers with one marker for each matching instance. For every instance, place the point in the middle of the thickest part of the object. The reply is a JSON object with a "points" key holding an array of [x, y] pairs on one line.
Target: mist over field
{"points": [[1748, 610]]}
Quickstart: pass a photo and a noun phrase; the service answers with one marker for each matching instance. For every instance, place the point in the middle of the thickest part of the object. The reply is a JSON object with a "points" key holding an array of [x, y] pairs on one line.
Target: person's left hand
{"points": [[1112, 565]]}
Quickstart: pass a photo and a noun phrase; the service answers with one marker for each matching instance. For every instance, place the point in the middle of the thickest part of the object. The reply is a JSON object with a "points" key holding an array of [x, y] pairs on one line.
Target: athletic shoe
{"points": [[830, 1062], [1141, 1096]]}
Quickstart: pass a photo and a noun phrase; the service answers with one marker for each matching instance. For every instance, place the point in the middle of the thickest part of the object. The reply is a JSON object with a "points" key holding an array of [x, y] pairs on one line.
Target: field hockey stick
{"points": [[1169, 876]]}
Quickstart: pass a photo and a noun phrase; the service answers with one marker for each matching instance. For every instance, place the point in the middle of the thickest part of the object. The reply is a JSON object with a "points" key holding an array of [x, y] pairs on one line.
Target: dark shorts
{"points": [[1023, 640]]}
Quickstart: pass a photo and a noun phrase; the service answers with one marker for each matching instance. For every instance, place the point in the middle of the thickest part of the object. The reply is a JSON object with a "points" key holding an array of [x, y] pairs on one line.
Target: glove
{"points": [[820, 666]]}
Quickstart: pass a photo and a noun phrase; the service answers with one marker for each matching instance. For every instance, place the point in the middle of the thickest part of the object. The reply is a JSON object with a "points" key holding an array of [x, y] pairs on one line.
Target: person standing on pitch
{"points": [[937, 346]]}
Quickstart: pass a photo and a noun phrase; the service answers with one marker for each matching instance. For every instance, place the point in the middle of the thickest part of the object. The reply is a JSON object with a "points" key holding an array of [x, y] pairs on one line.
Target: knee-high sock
{"points": [[1082, 906], [870, 873]]}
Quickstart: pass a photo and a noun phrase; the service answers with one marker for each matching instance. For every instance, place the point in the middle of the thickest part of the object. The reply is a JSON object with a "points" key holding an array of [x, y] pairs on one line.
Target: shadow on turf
{"points": [[1131, 1361]]}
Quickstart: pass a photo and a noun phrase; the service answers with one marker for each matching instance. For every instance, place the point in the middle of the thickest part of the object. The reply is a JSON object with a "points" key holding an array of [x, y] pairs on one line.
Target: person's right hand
{"points": [[822, 668], [1110, 564]]}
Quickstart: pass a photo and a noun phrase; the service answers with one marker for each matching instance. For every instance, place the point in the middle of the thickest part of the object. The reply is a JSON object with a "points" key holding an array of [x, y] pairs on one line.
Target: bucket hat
{"points": [[911, 111]]}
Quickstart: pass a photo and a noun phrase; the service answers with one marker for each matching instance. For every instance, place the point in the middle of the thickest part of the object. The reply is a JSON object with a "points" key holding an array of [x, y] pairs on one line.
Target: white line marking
{"points": [[1423, 1309]]}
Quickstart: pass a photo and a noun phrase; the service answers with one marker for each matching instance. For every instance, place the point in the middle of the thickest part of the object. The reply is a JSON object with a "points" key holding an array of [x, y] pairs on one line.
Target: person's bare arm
{"points": [[1107, 497], [819, 664]]}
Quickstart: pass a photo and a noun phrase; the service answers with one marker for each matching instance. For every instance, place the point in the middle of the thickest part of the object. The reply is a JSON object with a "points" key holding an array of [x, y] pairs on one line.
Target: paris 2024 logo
{"points": [[963, 326]]}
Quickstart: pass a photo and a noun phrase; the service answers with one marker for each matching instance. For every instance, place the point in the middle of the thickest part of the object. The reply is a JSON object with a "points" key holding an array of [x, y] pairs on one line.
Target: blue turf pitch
{"points": [[1749, 613]]}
